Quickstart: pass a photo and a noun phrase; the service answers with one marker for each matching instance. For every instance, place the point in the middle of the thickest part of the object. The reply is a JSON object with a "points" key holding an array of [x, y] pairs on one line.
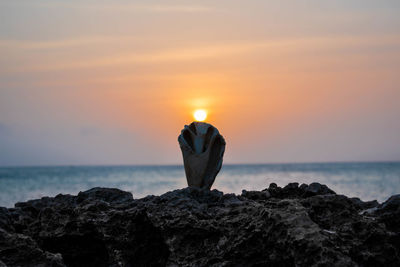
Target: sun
{"points": [[200, 115]]}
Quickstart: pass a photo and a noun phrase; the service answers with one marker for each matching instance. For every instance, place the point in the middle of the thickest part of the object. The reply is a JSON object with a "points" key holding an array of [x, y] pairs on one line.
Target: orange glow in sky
{"points": [[114, 82]]}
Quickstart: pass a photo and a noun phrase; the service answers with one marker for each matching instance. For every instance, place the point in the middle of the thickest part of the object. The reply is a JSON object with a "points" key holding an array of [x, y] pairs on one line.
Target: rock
{"points": [[292, 190], [389, 213], [202, 150], [5, 219], [256, 195], [273, 186], [21, 250], [292, 186], [109, 195], [317, 189], [197, 227], [364, 205], [391, 205]]}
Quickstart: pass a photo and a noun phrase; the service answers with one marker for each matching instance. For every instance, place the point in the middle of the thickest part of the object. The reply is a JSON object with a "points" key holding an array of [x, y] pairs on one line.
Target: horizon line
{"points": [[176, 164]]}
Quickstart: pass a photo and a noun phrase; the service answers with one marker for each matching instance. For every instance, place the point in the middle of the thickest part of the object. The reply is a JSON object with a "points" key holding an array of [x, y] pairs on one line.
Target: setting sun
{"points": [[200, 115]]}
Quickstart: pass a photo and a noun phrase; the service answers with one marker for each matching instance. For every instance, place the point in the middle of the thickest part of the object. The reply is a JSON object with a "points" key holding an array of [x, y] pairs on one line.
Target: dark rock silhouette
{"points": [[307, 225]]}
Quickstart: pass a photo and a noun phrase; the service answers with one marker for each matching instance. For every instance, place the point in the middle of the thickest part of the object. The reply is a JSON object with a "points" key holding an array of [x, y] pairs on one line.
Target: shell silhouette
{"points": [[202, 149]]}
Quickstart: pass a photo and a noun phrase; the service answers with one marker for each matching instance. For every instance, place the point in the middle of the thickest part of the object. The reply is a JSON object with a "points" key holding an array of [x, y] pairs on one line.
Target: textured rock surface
{"points": [[307, 225]]}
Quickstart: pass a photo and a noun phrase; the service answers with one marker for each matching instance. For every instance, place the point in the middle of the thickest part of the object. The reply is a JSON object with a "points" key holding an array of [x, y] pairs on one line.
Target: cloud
{"points": [[62, 43], [211, 51], [113, 6], [175, 9]]}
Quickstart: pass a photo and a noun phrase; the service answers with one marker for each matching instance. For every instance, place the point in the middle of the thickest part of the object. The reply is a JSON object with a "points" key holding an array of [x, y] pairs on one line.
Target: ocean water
{"points": [[367, 181]]}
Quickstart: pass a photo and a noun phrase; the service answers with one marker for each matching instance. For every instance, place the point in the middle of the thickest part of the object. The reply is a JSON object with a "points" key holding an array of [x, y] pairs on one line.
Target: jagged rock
{"points": [[197, 227], [21, 250], [317, 189], [389, 213], [256, 195], [293, 190], [111, 195], [364, 205]]}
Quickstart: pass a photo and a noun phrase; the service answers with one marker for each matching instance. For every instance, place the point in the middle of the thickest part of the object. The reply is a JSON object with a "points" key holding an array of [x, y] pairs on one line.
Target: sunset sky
{"points": [[114, 81]]}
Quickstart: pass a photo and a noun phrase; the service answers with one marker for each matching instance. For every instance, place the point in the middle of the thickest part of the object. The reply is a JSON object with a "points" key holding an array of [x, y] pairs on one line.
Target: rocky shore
{"points": [[307, 225]]}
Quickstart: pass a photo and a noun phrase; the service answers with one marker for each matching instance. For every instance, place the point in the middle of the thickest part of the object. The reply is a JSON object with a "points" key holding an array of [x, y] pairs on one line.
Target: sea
{"points": [[365, 180]]}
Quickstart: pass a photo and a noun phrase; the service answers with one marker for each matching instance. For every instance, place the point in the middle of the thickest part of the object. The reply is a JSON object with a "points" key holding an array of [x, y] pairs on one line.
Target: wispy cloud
{"points": [[63, 43], [160, 56], [174, 8], [182, 54], [114, 6]]}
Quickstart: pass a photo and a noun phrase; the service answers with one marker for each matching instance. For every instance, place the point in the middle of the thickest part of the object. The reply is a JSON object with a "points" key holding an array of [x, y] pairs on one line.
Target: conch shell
{"points": [[202, 150]]}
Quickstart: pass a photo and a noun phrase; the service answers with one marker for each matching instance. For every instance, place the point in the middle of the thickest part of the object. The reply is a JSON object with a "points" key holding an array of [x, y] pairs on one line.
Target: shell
{"points": [[202, 149]]}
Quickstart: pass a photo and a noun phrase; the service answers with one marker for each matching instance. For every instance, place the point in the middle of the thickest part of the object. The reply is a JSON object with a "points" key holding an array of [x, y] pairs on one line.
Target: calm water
{"points": [[367, 181]]}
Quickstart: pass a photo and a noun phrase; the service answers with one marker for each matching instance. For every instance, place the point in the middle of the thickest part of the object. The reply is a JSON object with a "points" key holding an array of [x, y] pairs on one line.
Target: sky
{"points": [[88, 82]]}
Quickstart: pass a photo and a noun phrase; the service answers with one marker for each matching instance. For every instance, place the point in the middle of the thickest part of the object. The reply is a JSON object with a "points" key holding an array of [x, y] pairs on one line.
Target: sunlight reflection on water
{"points": [[364, 180]]}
